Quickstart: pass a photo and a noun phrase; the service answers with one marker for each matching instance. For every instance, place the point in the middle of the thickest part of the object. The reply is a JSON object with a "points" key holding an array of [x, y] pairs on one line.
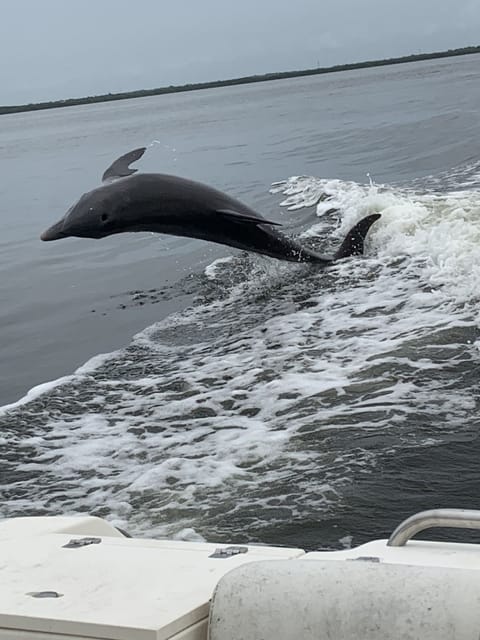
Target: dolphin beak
{"points": [[54, 232]]}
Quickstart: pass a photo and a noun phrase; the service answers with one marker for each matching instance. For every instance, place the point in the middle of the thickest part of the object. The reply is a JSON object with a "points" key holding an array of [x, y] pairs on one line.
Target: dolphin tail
{"points": [[355, 238]]}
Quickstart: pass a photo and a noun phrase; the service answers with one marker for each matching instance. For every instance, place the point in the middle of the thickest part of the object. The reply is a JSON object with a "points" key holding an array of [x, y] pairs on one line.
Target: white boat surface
{"points": [[79, 578]]}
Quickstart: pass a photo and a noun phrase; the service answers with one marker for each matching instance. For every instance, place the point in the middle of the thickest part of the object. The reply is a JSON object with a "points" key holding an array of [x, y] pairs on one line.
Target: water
{"points": [[257, 400]]}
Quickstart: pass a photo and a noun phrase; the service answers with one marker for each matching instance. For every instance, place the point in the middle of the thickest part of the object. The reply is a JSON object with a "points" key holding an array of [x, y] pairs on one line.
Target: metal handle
{"points": [[455, 518]]}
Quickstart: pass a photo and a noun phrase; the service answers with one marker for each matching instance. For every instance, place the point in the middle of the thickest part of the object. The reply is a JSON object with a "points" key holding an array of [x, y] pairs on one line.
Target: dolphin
{"points": [[169, 204]]}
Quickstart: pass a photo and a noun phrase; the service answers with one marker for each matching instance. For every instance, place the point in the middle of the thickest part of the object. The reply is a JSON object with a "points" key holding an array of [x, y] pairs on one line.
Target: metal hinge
{"points": [[76, 543], [228, 552]]}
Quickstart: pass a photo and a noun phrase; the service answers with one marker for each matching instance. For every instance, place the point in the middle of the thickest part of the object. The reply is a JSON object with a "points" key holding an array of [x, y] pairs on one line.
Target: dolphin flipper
{"points": [[238, 216], [355, 238], [120, 168]]}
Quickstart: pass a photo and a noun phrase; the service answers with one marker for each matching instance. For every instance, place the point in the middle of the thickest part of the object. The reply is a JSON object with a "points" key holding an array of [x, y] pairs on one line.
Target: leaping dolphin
{"points": [[180, 207]]}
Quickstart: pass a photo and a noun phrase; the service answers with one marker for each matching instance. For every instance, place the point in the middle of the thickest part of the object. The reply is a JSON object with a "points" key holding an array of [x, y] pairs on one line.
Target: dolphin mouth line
{"points": [[54, 233]]}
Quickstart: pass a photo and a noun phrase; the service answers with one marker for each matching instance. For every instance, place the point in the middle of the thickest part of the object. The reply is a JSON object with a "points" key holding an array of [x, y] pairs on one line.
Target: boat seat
{"points": [[350, 600]]}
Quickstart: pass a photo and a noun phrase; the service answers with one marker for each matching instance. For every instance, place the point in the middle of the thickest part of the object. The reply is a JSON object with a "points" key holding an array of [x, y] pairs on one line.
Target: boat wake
{"points": [[255, 408]]}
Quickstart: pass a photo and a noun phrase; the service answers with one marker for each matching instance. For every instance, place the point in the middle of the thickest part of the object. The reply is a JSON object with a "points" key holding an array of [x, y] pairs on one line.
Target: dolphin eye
{"points": [[104, 217]]}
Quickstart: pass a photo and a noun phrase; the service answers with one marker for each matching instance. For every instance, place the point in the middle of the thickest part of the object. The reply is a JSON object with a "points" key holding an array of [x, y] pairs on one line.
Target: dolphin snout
{"points": [[54, 232]]}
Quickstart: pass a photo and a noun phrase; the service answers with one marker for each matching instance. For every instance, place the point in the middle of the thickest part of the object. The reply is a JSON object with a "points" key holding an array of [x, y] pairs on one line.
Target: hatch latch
{"points": [[228, 552], [76, 543]]}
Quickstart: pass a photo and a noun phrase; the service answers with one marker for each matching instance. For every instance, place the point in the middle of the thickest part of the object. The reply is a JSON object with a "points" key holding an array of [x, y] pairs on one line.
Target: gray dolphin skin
{"points": [[180, 207]]}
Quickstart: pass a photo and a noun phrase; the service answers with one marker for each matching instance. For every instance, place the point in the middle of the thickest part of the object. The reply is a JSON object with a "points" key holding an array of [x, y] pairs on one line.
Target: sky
{"points": [[54, 49]]}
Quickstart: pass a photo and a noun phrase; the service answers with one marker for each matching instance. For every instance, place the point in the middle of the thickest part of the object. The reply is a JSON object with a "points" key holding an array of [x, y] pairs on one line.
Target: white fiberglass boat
{"points": [[79, 578]]}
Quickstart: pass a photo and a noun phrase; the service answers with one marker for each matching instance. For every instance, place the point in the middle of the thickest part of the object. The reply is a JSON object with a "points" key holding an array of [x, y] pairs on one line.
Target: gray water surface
{"points": [[394, 123]]}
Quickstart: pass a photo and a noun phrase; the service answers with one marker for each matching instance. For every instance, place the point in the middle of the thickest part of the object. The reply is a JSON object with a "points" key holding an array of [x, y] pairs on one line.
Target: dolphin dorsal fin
{"points": [[120, 168]]}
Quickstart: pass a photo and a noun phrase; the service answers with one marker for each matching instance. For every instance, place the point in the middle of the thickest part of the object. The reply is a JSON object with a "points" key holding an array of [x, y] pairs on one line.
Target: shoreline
{"points": [[267, 77]]}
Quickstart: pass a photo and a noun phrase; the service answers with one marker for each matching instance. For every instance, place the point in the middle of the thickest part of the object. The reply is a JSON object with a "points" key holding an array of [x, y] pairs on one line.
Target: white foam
{"points": [[212, 269], [441, 230], [43, 389]]}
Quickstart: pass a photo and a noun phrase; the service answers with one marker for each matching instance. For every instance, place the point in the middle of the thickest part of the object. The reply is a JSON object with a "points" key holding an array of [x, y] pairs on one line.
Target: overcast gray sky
{"points": [[54, 49]]}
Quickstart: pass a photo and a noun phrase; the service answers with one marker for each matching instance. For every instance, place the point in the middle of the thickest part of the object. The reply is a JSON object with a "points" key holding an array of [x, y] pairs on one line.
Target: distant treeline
{"points": [[107, 97]]}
